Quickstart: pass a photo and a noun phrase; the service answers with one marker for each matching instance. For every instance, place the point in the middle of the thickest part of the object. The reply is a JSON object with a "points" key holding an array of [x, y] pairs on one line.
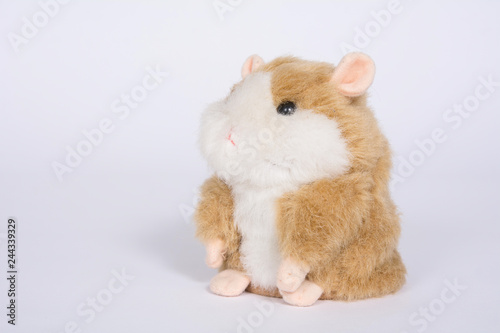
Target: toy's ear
{"points": [[354, 74], [251, 64]]}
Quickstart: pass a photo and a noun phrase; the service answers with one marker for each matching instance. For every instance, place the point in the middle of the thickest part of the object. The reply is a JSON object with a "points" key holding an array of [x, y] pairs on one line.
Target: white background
{"points": [[128, 204]]}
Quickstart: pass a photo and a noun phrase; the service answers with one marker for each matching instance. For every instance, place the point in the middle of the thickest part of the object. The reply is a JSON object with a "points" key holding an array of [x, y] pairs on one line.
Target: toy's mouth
{"points": [[279, 164]]}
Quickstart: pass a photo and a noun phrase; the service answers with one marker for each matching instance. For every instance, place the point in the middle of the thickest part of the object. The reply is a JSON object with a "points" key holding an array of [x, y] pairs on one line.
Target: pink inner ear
{"points": [[251, 64], [358, 68], [354, 74]]}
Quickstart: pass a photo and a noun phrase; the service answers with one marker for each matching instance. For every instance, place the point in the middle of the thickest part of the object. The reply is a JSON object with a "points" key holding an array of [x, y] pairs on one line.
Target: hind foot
{"points": [[229, 283], [307, 294]]}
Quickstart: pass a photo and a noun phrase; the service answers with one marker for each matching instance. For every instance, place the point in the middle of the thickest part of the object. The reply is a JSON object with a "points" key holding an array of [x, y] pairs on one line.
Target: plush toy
{"points": [[299, 205]]}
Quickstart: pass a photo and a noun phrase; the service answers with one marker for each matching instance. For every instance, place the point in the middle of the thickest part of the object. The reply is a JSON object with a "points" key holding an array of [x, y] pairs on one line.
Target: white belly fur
{"points": [[255, 218]]}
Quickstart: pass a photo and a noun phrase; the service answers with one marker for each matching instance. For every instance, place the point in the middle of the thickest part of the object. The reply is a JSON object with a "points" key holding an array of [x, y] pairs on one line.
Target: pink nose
{"points": [[229, 137]]}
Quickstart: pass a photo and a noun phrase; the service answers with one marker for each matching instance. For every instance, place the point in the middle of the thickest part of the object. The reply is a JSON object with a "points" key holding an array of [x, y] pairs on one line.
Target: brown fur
{"points": [[347, 228]]}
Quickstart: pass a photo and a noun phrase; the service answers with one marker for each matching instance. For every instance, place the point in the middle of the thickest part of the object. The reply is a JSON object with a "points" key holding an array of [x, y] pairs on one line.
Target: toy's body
{"points": [[299, 206]]}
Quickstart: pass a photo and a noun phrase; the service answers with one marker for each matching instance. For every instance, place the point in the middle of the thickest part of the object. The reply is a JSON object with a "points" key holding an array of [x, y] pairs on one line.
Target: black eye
{"points": [[286, 108]]}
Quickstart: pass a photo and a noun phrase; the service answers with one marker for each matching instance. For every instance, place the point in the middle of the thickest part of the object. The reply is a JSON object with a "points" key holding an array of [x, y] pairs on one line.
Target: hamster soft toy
{"points": [[299, 205]]}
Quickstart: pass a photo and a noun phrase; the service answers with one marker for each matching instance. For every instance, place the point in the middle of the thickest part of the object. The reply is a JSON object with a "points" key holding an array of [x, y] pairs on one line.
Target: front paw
{"points": [[291, 274], [215, 253]]}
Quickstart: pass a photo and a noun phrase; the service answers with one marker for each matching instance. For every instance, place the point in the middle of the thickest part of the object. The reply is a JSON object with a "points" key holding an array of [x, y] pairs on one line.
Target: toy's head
{"points": [[288, 122]]}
